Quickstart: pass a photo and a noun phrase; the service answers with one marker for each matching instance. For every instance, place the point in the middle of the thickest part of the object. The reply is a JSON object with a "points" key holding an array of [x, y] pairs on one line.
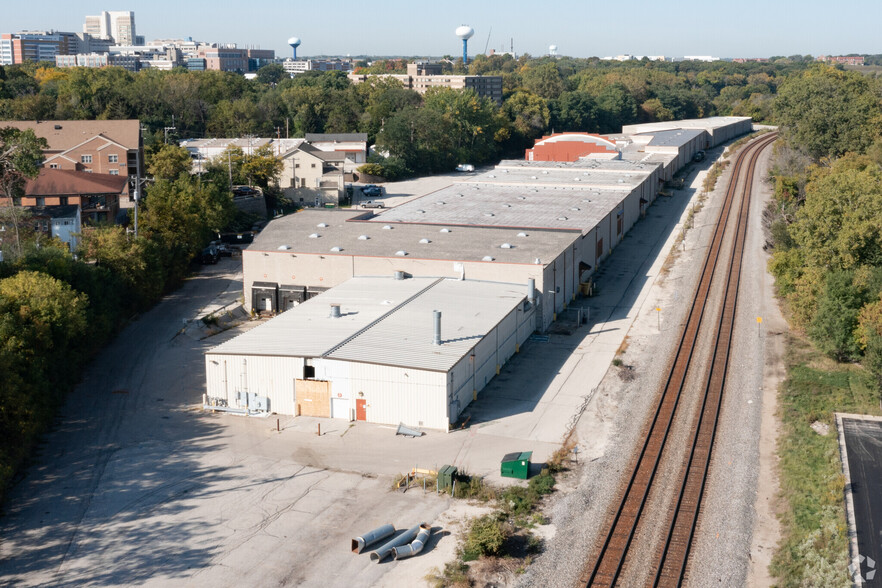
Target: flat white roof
{"points": [[574, 176], [385, 321], [541, 207], [344, 231], [709, 124]]}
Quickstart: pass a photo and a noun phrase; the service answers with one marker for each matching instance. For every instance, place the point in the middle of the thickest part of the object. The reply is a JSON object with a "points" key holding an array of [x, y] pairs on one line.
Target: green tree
{"points": [[271, 74], [169, 162], [574, 111], [20, 155], [828, 112], [262, 167], [543, 80], [529, 114]]}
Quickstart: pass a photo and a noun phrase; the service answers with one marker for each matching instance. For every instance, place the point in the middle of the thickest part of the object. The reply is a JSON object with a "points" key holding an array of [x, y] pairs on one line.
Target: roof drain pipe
{"points": [[380, 553], [437, 339], [531, 290], [414, 547], [335, 311], [378, 534]]}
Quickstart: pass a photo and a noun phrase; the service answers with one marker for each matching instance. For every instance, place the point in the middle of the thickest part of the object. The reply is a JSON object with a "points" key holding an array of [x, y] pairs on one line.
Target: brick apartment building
{"points": [[111, 147]]}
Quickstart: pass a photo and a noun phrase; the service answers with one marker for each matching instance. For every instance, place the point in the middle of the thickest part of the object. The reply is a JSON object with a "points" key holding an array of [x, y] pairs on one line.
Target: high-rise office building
{"points": [[116, 25]]}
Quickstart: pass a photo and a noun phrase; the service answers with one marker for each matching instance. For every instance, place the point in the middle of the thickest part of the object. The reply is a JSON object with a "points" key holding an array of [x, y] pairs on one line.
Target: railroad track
{"points": [[669, 566]]}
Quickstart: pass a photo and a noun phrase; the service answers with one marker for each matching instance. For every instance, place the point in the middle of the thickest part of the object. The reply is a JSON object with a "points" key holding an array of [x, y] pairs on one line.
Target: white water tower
{"points": [[552, 50], [465, 33], [295, 43]]}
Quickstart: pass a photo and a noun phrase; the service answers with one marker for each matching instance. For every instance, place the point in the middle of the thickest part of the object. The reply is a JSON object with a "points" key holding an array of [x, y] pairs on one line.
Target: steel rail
{"points": [[611, 555]]}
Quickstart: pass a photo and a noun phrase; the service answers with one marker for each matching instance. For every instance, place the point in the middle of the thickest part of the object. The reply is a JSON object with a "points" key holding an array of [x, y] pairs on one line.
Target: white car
{"points": [[465, 167]]}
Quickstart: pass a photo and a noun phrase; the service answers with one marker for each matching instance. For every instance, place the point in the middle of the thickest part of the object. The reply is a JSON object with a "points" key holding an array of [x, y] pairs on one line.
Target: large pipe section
{"points": [[380, 553], [378, 534], [415, 546], [437, 339], [531, 290]]}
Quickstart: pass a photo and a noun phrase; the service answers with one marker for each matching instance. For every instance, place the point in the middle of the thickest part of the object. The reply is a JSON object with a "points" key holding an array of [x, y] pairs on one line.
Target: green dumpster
{"points": [[516, 465], [445, 476]]}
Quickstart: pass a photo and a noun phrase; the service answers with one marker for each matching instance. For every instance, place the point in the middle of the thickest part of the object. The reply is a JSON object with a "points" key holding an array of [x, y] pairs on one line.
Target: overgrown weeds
{"points": [[814, 548]]}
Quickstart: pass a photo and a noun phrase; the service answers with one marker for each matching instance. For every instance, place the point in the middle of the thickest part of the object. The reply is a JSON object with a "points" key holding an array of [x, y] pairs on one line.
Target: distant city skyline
{"points": [[577, 27]]}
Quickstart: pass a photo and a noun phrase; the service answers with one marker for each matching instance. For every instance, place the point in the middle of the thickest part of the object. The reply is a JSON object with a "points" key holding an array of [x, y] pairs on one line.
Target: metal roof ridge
{"points": [[380, 319]]}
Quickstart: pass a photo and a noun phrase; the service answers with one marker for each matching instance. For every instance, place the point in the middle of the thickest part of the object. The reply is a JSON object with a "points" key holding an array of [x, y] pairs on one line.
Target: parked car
{"points": [[465, 167], [699, 156], [210, 254], [372, 190], [372, 204]]}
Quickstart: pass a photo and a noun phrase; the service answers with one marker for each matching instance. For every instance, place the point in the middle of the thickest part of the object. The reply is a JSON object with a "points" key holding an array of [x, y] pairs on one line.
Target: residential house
{"points": [[312, 176], [111, 147], [353, 146], [61, 222], [97, 195]]}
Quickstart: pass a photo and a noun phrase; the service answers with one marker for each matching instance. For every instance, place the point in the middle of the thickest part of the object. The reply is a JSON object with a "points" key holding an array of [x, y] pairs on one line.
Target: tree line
{"points": [[420, 134]]}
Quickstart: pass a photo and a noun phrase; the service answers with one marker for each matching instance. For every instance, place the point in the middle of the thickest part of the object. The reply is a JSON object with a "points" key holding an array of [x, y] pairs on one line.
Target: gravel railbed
{"points": [[611, 427], [722, 546]]}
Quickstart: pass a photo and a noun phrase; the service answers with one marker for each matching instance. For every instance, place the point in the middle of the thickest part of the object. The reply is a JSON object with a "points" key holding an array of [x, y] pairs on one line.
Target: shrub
{"points": [[487, 536]]}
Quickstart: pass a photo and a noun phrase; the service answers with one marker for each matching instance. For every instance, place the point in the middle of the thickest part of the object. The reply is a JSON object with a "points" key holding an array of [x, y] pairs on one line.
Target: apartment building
{"points": [[112, 147]]}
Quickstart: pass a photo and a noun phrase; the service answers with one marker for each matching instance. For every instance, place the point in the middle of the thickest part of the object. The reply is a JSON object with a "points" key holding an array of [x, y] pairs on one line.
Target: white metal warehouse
{"points": [[370, 350]]}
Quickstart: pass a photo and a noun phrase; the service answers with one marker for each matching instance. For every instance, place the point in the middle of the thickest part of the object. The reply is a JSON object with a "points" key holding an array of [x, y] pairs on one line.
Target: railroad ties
{"points": [[669, 565]]}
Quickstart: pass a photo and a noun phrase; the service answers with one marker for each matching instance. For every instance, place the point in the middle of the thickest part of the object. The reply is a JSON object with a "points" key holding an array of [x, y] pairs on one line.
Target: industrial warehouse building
{"points": [[546, 221], [373, 350], [469, 250]]}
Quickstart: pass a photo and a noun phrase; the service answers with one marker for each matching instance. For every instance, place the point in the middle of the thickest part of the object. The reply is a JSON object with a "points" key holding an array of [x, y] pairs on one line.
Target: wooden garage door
{"points": [[313, 397]]}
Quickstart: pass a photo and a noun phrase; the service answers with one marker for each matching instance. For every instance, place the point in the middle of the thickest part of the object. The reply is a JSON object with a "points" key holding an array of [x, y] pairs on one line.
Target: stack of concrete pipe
{"points": [[405, 545]]}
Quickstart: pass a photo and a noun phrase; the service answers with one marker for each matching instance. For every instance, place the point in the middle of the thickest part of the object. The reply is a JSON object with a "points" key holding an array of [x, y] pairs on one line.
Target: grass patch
{"points": [[814, 546]]}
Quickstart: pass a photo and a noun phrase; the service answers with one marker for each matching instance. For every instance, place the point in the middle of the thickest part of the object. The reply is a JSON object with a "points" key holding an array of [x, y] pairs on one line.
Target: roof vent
{"points": [[314, 236], [575, 209], [387, 227], [489, 214], [562, 218], [491, 175], [284, 247], [533, 178], [335, 311], [322, 225], [425, 241], [506, 246], [401, 253], [588, 200], [444, 231], [545, 172], [537, 261], [440, 203], [398, 275], [523, 235], [621, 181], [57, 127], [363, 237], [487, 258], [421, 211], [506, 205], [522, 197], [578, 179], [336, 249]]}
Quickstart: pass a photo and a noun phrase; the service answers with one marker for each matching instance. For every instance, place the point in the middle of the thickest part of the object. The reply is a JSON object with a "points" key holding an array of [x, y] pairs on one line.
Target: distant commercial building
{"points": [[225, 58], [33, 46], [422, 76], [116, 25], [298, 66], [842, 59]]}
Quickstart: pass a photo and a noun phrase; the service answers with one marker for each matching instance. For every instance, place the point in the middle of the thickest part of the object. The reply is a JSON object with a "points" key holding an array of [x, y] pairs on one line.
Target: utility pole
{"points": [[230, 168], [166, 130]]}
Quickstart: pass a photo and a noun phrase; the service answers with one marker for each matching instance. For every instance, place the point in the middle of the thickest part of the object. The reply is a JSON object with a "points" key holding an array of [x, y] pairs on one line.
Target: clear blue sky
{"points": [[581, 28]]}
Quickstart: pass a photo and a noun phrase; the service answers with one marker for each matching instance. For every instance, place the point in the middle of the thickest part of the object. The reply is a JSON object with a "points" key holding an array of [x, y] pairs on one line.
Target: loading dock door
{"points": [[360, 409], [266, 303], [313, 397]]}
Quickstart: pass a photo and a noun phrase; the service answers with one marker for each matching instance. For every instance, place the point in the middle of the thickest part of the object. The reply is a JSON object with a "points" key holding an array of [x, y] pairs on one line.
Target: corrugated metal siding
{"points": [[399, 395], [272, 377]]}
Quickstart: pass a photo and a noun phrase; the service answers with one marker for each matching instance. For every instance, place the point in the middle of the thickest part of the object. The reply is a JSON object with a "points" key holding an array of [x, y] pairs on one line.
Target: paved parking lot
{"points": [[137, 485]]}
